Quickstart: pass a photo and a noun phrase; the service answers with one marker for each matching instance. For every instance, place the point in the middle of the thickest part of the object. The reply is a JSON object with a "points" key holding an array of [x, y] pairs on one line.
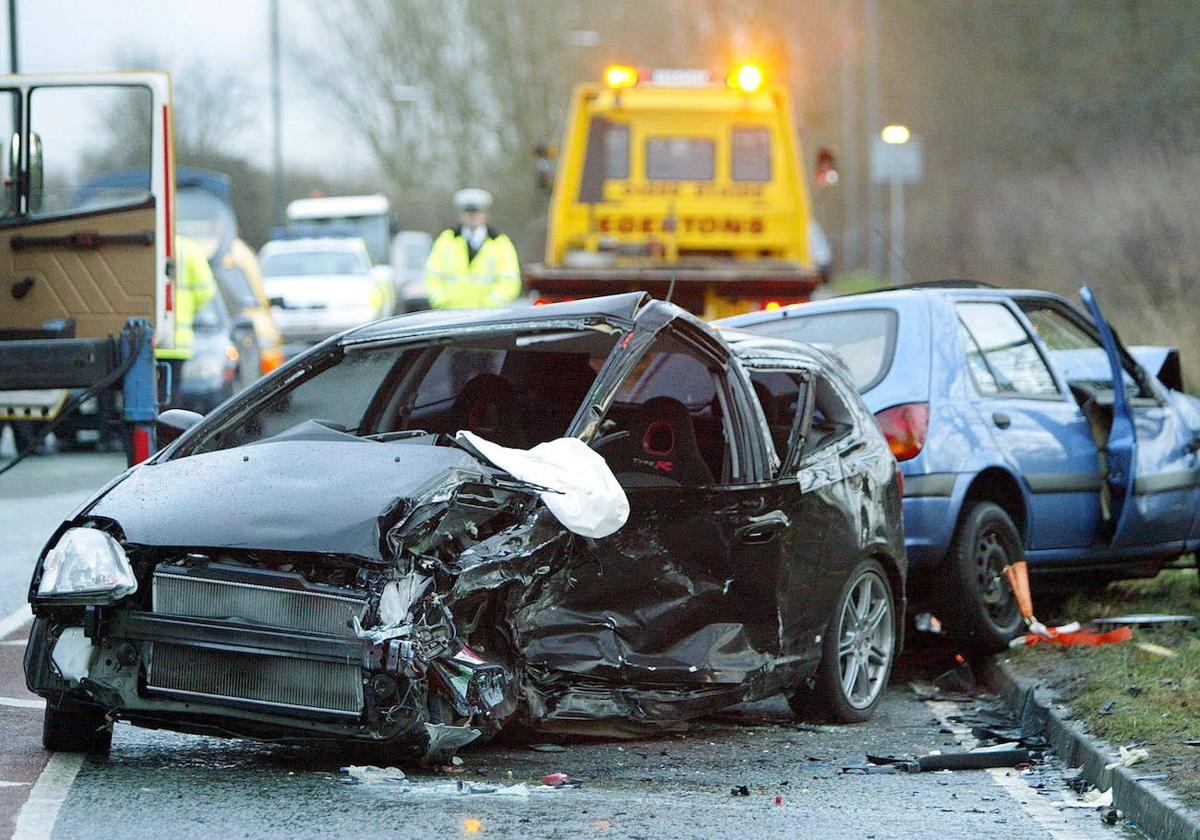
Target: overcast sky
{"points": [[81, 35]]}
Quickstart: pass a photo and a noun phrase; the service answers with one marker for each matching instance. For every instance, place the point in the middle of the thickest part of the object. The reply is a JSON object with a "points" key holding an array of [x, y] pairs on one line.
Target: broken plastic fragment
{"points": [[371, 775]]}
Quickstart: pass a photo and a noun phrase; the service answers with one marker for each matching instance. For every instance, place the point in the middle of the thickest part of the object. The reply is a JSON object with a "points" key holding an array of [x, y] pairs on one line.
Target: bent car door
{"points": [[87, 210], [655, 606], [1152, 473]]}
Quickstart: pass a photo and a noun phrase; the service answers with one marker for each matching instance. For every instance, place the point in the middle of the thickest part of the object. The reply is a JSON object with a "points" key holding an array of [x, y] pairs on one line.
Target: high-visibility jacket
{"points": [[195, 286], [454, 279]]}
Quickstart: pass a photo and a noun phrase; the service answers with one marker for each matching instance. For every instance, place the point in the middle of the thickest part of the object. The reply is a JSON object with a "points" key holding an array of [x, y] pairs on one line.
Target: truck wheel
{"points": [[73, 727], [857, 652], [977, 604]]}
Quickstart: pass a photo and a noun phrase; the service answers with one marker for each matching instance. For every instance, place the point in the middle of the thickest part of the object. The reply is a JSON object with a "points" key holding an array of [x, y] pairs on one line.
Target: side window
{"points": [[782, 395], [11, 143], [94, 144], [1074, 352], [1002, 347], [751, 154], [667, 424], [832, 419], [616, 152]]}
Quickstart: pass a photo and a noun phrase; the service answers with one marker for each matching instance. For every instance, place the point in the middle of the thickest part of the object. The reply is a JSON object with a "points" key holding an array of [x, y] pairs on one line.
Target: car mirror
{"points": [[172, 423]]}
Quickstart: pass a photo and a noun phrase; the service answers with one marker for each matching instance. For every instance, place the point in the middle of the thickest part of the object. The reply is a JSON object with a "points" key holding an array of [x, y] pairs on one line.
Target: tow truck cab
{"points": [[86, 273], [670, 176]]}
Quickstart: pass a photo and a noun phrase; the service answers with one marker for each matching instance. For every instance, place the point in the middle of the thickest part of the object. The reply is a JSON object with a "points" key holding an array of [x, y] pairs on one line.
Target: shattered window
{"points": [[832, 419], [781, 395], [514, 389], [666, 425]]}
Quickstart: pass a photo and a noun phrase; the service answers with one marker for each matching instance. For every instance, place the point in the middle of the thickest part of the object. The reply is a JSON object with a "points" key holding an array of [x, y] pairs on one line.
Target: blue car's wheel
{"points": [[977, 604]]}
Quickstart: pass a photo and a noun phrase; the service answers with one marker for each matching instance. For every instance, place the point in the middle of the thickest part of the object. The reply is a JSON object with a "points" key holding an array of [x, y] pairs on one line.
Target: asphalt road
{"points": [[170, 785]]}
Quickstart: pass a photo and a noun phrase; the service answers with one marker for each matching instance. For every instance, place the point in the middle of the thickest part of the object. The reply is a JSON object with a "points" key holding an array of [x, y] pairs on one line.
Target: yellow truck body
{"points": [[695, 189]]}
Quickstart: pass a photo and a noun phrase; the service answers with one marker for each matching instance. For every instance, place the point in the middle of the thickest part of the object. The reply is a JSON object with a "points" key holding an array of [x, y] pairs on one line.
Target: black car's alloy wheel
{"points": [[977, 603], [857, 651]]}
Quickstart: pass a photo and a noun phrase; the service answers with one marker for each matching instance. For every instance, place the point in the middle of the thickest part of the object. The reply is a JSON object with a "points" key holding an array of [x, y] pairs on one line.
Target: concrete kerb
{"points": [[1157, 811]]}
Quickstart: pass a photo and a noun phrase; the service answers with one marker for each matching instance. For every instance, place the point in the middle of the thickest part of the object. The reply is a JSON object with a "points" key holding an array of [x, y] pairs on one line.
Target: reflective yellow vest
{"points": [[455, 281], [194, 287]]}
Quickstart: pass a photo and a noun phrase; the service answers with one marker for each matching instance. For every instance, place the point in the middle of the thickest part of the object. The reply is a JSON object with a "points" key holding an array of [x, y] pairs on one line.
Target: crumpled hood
{"points": [[326, 493]]}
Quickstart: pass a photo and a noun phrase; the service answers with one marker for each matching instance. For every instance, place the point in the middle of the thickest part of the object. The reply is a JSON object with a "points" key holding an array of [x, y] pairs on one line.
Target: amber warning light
{"points": [[620, 76]]}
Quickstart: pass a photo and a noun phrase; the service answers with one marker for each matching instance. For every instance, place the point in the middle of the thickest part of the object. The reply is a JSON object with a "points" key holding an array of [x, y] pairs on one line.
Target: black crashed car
{"points": [[328, 556]]}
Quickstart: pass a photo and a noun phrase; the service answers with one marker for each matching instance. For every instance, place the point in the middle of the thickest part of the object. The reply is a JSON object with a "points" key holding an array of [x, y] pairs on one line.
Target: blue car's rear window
{"points": [[864, 338]]}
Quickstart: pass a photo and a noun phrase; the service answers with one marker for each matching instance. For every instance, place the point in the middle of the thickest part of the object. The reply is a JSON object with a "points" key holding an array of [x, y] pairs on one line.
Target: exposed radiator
{"points": [[253, 678], [271, 599]]}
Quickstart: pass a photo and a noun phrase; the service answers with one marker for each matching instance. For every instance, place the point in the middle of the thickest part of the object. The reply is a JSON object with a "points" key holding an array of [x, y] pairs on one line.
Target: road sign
{"points": [[896, 162]]}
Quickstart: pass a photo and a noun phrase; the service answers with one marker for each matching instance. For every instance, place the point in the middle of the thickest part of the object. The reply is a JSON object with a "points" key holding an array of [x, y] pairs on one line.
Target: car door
{"points": [[1152, 471], [86, 223], [1039, 428], [813, 483], [660, 601]]}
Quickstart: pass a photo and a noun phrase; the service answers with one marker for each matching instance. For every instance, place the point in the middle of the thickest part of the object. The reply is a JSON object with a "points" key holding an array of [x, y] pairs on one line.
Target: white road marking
{"points": [[4, 784], [22, 703], [36, 819], [14, 642], [1010, 781], [15, 621]]}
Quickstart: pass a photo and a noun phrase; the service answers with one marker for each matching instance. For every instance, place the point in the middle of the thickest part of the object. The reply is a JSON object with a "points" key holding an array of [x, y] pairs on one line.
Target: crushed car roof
{"points": [[623, 307]]}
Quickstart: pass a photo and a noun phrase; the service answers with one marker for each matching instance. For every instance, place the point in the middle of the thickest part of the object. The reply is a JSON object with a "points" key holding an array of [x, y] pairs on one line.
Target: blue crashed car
{"points": [[1000, 407]]}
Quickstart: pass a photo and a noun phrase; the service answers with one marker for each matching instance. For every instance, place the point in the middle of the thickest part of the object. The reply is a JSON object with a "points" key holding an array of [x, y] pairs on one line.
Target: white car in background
{"points": [[320, 286]]}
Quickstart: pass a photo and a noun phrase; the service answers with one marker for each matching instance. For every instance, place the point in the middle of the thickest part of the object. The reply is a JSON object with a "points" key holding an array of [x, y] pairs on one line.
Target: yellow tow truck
{"points": [[672, 182]]}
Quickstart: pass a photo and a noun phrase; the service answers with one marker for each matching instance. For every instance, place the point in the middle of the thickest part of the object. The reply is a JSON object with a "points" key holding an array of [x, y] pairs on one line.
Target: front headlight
{"points": [[86, 566]]}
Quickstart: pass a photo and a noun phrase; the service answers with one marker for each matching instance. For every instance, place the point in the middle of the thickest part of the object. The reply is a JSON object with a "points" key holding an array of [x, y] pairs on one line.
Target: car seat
{"points": [[487, 406], [660, 448]]}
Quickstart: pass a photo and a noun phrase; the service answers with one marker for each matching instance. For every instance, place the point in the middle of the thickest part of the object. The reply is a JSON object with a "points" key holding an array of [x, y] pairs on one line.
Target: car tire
{"points": [[859, 647], [978, 607], [74, 727]]}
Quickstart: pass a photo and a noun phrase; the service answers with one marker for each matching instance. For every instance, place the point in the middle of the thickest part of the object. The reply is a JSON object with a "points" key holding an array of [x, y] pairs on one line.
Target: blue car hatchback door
{"points": [[1013, 441]]}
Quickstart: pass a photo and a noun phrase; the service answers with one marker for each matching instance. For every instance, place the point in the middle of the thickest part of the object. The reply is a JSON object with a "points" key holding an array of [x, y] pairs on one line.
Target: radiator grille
{"points": [[255, 678], [178, 593]]}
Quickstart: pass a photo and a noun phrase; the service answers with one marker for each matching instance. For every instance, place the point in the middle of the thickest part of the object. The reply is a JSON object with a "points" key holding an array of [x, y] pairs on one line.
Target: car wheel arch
{"points": [[899, 591], [1001, 487]]}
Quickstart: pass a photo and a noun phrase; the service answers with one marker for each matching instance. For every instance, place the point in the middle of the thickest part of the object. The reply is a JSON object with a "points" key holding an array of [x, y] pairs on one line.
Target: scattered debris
{"points": [[1156, 650], [1192, 742], [548, 748], [778, 799], [1112, 816], [1002, 755], [958, 680], [1107, 708], [369, 774], [1143, 620], [1077, 637], [1128, 757], [740, 790], [1153, 777], [1094, 799], [928, 623], [557, 780]]}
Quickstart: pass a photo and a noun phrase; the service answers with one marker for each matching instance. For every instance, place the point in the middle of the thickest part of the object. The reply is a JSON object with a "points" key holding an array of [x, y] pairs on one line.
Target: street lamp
{"points": [[896, 160], [895, 135]]}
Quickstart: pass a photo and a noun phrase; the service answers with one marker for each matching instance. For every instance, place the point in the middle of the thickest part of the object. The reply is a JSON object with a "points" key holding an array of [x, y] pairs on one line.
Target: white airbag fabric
{"points": [[586, 497]]}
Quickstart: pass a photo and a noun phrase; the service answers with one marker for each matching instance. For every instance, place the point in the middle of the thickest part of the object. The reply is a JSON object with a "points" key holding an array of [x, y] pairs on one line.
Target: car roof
{"points": [[897, 297], [623, 307]]}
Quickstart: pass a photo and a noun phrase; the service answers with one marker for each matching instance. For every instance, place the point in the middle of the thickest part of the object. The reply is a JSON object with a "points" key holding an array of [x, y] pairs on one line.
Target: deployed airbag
{"points": [[582, 492]]}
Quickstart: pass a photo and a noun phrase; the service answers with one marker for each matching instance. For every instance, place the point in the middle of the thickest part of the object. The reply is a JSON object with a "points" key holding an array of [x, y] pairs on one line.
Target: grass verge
{"points": [[1128, 695]]}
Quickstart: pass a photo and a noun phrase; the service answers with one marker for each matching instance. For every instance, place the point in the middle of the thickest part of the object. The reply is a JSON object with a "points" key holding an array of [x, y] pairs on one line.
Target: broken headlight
{"points": [[86, 566]]}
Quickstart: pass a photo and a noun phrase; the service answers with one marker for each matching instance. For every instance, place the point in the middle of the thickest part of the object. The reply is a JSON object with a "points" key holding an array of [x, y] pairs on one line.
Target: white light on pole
{"points": [[896, 160], [895, 135]]}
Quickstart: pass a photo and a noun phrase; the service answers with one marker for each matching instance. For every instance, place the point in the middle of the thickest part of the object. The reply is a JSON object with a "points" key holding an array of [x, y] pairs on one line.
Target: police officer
{"points": [[194, 287], [472, 265]]}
